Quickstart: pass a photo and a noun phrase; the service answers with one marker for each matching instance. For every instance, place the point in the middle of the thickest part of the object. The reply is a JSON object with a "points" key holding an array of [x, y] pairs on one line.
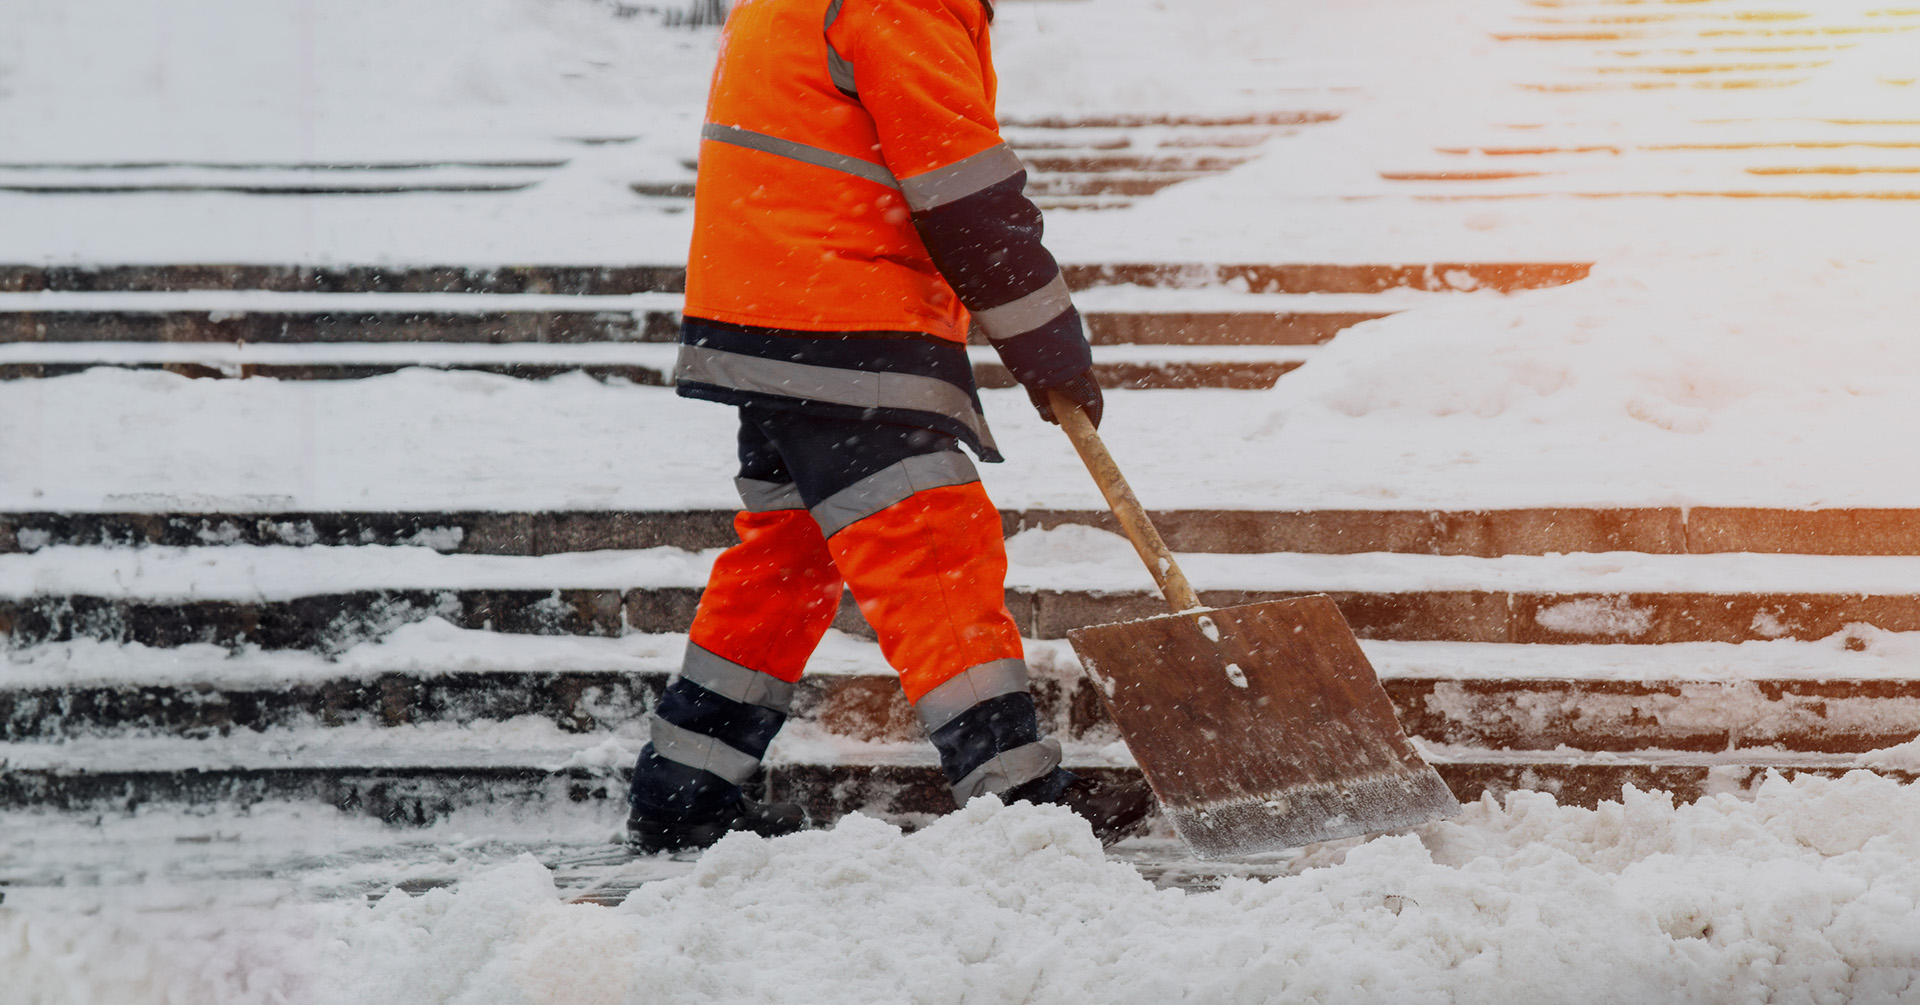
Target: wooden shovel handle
{"points": [[1126, 507]]}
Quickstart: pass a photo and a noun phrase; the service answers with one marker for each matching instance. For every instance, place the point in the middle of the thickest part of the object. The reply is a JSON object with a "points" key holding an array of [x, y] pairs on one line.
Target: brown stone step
{"points": [[1480, 533], [1221, 327], [617, 280], [1141, 121], [334, 621], [274, 327], [1829, 716], [909, 794], [1151, 374]]}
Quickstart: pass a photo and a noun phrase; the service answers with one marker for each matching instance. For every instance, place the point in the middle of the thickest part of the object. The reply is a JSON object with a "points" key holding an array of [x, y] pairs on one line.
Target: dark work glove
{"points": [[1083, 390]]}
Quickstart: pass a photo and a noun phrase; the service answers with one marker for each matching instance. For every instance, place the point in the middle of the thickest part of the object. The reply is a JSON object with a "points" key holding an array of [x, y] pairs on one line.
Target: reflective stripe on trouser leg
{"points": [[929, 573], [731, 680], [702, 752], [968, 688], [710, 729], [771, 597]]}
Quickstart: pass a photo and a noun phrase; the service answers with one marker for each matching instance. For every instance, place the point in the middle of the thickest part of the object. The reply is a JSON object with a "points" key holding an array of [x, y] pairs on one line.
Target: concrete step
{"points": [[328, 599], [383, 732], [269, 318], [1698, 530], [1100, 162], [271, 179], [600, 280], [906, 793], [1132, 317], [1827, 714], [1151, 367]]}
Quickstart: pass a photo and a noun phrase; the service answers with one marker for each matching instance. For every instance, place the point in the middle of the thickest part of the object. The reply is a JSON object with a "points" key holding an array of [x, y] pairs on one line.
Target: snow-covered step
{"points": [[417, 775], [572, 280], [1581, 778], [1481, 533], [420, 775], [432, 673], [1099, 162], [1252, 367], [331, 597], [620, 280], [281, 179], [1124, 315], [256, 316], [639, 363], [1852, 693]]}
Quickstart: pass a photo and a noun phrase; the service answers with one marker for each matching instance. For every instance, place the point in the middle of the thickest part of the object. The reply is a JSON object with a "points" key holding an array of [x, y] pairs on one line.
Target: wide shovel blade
{"points": [[1261, 727]]}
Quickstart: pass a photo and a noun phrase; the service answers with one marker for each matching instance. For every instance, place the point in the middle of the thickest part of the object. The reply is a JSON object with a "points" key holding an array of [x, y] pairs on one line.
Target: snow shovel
{"points": [[1260, 727]]}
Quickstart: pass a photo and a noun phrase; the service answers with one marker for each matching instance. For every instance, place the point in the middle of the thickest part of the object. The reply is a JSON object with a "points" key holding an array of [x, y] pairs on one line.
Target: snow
{"points": [[1731, 380], [1803, 892], [1725, 352], [658, 357], [1101, 563]]}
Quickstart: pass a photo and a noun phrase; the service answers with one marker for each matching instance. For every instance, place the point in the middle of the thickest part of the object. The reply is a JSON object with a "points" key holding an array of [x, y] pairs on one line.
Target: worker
{"points": [[856, 211]]}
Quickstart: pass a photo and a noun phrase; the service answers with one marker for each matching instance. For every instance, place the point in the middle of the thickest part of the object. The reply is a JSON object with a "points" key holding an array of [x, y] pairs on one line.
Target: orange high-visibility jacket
{"points": [[853, 182]]}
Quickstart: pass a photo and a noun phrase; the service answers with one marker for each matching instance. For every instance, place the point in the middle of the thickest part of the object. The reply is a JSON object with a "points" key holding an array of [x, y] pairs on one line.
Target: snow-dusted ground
{"points": [[1803, 893]]}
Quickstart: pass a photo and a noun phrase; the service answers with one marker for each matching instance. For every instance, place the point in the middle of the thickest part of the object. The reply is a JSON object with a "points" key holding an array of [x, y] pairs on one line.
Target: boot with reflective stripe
{"points": [[710, 731], [984, 724]]}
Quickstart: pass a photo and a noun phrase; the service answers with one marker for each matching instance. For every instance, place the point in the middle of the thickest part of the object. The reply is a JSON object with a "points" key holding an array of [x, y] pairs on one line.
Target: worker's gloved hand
{"points": [[1083, 390]]}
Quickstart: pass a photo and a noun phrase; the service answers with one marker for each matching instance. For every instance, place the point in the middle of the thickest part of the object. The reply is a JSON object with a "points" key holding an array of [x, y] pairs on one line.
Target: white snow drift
{"points": [[1805, 893]]}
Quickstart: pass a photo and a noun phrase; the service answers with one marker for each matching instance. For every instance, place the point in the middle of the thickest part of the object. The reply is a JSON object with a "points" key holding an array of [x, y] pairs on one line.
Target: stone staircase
{"points": [[217, 654], [413, 660], [415, 664], [1100, 162], [1700, 99], [1152, 326]]}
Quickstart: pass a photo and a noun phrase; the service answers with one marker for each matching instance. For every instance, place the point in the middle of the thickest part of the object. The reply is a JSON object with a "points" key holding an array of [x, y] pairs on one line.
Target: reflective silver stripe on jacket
{"points": [[1008, 769], [859, 388], [970, 687], [757, 496], [801, 152], [1027, 313], [731, 680], [890, 485], [837, 66], [962, 178], [702, 752]]}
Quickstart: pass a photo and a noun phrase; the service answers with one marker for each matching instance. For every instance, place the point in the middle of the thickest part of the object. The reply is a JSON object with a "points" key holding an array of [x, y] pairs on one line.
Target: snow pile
{"points": [[1721, 378], [1809, 889], [1805, 892]]}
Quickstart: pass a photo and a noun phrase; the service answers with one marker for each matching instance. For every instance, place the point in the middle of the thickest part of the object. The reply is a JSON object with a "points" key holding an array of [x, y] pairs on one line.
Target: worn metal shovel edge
{"points": [[1310, 814], [1375, 781]]}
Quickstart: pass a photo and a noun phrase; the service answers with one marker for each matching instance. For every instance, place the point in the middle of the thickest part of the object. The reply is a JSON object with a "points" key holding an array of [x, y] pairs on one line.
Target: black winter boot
{"points": [[686, 785], [653, 835]]}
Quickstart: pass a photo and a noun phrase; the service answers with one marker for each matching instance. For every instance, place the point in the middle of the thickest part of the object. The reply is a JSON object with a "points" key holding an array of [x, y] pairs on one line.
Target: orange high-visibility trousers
{"points": [[928, 573]]}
